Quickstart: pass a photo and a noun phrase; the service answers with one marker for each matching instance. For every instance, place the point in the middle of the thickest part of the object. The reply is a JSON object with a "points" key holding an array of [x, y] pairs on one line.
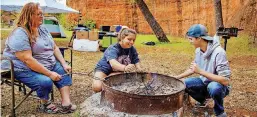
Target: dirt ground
{"points": [[240, 102]]}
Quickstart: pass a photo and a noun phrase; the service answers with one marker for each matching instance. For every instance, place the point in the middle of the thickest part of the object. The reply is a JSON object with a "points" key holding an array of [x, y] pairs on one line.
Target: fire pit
{"points": [[143, 93]]}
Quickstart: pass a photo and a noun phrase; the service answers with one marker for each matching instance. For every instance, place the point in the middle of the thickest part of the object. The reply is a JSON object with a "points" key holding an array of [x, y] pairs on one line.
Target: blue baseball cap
{"points": [[198, 30]]}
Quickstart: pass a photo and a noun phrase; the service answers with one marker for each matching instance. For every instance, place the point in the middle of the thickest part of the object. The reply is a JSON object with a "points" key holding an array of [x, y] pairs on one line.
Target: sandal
{"points": [[67, 109], [48, 107]]}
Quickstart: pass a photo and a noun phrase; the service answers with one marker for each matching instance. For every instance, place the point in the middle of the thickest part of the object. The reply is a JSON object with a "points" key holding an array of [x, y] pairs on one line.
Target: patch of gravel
{"points": [[92, 107]]}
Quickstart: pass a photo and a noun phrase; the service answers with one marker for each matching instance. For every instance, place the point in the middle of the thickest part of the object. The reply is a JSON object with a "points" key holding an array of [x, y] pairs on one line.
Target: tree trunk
{"points": [[158, 31], [218, 14]]}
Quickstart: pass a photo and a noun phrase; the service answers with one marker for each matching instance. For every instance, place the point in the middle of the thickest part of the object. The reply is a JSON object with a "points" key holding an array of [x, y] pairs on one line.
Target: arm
{"points": [[120, 67], [59, 57], [26, 57], [116, 65], [221, 79], [184, 74]]}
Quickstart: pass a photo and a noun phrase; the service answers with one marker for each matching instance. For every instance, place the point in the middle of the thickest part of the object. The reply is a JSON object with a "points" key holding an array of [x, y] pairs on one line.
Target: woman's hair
{"points": [[125, 32], [27, 21]]}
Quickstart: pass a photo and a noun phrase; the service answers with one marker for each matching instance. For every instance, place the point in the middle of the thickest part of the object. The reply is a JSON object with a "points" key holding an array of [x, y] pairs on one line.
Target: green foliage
{"points": [[5, 34], [63, 21], [90, 24]]}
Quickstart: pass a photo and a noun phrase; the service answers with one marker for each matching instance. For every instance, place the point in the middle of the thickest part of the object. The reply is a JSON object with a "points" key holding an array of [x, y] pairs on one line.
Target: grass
{"points": [[240, 46], [235, 46], [68, 36]]}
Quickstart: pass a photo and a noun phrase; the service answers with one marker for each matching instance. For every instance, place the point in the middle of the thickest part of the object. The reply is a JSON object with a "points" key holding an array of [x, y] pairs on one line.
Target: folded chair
{"points": [[7, 77]]}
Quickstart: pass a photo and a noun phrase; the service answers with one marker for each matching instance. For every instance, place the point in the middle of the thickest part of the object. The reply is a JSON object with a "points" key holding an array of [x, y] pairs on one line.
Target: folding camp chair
{"points": [[7, 77]]}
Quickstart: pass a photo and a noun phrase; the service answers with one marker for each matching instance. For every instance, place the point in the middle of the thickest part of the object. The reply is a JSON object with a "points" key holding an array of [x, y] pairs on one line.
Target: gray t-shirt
{"points": [[42, 49]]}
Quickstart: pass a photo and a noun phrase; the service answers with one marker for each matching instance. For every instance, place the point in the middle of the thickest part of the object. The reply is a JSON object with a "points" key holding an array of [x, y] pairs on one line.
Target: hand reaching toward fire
{"points": [[130, 68], [194, 68]]}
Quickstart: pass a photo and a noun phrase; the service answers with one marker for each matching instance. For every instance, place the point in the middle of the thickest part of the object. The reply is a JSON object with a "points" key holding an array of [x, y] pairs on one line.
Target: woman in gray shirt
{"points": [[38, 62]]}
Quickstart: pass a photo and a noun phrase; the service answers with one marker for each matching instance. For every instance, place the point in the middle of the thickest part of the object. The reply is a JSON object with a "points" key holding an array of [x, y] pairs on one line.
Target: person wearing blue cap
{"points": [[211, 65]]}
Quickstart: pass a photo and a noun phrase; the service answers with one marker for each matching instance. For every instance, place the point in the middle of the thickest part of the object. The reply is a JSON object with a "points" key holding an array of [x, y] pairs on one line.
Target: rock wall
{"points": [[174, 16]]}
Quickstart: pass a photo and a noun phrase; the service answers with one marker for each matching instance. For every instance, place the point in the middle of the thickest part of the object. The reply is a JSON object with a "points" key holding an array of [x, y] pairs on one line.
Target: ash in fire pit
{"points": [[150, 84]]}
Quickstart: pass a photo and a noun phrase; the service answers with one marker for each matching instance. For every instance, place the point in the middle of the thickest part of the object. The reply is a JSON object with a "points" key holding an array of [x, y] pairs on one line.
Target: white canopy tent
{"points": [[48, 6]]}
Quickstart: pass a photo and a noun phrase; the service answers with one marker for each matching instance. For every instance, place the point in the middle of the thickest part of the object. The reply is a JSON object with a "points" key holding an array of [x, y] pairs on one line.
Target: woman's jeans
{"points": [[200, 91], [43, 84]]}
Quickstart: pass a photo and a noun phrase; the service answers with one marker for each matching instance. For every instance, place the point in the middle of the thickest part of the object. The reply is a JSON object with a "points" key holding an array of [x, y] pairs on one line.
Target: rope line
{"points": [[83, 73]]}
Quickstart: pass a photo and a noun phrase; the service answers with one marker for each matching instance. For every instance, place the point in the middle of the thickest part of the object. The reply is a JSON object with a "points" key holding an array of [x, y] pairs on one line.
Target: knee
{"points": [[191, 82], [46, 83], [97, 86], [215, 89], [187, 81]]}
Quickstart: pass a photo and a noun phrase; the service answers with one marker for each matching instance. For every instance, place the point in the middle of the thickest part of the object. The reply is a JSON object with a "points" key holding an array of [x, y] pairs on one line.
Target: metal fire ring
{"points": [[142, 104]]}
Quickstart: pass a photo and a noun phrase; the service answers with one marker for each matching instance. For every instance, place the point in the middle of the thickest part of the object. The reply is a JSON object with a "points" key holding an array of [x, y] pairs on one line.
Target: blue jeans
{"points": [[200, 91], [43, 84]]}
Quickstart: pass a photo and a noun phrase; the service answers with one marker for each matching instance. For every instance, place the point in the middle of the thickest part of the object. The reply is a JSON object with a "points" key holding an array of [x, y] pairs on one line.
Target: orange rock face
{"points": [[174, 16]]}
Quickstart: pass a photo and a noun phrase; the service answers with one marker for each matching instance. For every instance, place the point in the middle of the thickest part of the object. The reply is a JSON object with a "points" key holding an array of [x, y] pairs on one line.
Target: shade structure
{"points": [[48, 6]]}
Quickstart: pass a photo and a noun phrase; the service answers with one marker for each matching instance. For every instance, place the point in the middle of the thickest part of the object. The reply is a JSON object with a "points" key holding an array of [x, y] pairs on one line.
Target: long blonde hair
{"points": [[27, 21]]}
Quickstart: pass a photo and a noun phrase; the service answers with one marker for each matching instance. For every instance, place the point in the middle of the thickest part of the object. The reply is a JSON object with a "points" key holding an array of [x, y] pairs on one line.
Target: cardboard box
{"points": [[82, 35], [93, 35]]}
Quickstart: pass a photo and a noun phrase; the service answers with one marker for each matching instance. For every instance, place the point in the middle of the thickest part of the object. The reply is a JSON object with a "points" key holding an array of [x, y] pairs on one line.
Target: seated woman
{"points": [[120, 57], [38, 62]]}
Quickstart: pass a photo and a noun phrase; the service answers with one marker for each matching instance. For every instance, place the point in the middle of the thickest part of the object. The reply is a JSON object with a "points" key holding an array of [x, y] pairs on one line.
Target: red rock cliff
{"points": [[174, 16]]}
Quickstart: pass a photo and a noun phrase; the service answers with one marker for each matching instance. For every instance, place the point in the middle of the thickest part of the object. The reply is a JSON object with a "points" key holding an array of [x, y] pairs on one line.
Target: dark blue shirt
{"points": [[114, 52]]}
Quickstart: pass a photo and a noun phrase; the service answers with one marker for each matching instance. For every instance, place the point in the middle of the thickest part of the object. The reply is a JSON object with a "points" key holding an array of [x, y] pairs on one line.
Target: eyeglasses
{"points": [[40, 14]]}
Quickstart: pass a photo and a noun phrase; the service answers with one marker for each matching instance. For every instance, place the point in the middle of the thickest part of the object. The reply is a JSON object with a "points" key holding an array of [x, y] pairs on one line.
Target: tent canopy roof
{"points": [[48, 6]]}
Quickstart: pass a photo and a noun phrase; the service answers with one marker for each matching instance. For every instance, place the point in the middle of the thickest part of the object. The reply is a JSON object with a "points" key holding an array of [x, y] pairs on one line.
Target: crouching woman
{"points": [[119, 57]]}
